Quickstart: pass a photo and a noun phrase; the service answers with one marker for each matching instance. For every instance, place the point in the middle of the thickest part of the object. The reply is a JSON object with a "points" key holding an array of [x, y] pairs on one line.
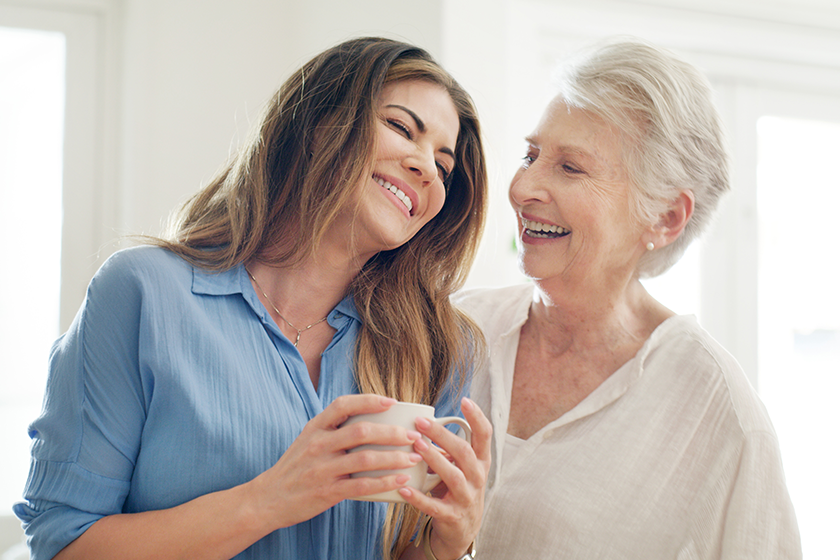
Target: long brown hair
{"points": [[312, 149]]}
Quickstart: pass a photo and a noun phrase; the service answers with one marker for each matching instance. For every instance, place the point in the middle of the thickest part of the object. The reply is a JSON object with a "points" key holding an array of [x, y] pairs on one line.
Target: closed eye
{"points": [[443, 173], [570, 169], [400, 127]]}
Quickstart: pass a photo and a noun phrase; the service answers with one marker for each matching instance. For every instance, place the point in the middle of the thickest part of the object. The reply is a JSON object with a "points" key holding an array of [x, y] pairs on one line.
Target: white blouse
{"points": [[673, 456], [512, 446]]}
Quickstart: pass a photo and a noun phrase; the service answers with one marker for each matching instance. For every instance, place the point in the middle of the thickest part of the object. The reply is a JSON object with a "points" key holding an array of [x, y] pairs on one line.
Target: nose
{"points": [[421, 162], [527, 187]]}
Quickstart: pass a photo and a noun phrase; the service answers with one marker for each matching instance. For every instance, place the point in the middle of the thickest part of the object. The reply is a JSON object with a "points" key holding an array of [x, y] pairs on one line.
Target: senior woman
{"points": [[622, 431]]}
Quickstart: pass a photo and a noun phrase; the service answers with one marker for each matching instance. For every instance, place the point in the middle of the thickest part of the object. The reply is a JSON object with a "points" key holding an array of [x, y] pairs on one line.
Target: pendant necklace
{"points": [[299, 331]]}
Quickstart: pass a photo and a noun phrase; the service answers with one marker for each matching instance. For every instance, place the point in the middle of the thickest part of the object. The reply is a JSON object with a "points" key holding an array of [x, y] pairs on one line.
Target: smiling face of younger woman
{"points": [[572, 197], [416, 132]]}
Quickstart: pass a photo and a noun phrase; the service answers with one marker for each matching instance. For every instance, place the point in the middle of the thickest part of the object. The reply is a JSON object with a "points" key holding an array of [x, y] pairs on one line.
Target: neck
{"points": [[565, 319], [306, 292]]}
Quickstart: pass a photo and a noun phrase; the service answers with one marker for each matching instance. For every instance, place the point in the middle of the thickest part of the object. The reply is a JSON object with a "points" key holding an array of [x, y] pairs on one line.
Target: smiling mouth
{"points": [[404, 198], [543, 231]]}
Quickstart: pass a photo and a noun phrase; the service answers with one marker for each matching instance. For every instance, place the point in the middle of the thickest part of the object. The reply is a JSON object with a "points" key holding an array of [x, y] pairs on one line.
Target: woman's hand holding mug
{"points": [[460, 463], [404, 415]]}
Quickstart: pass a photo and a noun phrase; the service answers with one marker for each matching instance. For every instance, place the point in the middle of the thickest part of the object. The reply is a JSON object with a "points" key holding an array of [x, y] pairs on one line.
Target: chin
{"points": [[391, 243], [540, 269], [527, 268]]}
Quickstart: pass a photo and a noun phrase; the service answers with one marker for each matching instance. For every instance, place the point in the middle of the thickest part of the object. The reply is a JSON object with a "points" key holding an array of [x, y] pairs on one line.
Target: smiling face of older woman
{"points": [[572, 197]]}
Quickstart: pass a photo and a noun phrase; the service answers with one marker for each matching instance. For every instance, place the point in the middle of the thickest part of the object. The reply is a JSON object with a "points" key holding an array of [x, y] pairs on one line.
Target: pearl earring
{"points": [[650, 246]]}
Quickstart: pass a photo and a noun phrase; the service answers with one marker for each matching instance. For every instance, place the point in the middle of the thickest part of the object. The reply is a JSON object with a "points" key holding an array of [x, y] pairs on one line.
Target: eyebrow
{"points": [[531, 140], [421, 126]]}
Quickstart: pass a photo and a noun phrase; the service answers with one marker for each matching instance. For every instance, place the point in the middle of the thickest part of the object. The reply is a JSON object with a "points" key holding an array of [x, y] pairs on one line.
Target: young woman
{"points": [[193, 409]]}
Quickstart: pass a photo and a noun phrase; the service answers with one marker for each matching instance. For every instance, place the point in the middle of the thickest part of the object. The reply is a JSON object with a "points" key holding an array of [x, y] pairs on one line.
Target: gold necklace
{"points": [[299, 331]]}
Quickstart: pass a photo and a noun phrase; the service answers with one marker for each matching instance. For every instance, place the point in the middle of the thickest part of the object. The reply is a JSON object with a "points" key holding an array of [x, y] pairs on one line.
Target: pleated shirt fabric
{"points": [[173, 382], [673, 456]]}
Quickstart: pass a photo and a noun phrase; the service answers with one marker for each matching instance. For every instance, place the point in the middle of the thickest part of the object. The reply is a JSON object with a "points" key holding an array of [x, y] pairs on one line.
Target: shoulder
{"points": [[144, 261], [143, 265], [495, 306], [682, 346], [131, 276]]}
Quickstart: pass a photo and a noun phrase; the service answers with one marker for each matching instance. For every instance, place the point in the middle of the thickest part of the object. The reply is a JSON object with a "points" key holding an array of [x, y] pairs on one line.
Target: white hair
{"points": [[665, 105]]}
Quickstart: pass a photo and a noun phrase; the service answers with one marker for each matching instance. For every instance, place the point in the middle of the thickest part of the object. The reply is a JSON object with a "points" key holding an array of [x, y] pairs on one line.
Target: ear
{"points": [[673, 221]]}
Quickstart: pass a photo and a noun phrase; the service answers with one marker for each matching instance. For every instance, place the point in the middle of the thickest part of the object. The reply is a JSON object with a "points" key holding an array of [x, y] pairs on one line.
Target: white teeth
{"points": [[401, 195], [541, 227]]}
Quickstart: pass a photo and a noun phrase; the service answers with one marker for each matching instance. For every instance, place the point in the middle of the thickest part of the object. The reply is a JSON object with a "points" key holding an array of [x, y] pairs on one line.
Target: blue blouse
{"points": [[174, 382]]}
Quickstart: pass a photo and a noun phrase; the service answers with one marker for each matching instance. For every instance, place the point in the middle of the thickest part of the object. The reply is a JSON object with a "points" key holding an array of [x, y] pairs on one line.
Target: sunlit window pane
{"points": [[799, 314], [31, 141]]}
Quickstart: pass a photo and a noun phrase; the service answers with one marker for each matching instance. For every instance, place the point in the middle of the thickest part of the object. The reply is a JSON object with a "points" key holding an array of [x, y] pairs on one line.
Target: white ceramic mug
{"points": [[404, 415]]}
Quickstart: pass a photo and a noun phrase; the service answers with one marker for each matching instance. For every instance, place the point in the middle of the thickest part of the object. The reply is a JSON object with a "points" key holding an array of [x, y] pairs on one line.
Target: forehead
{"points": [[429, 101], [571, 129]]}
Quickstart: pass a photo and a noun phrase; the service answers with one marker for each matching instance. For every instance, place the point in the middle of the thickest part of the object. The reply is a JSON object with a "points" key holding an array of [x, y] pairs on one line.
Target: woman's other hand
{"points": [[457, 504]]}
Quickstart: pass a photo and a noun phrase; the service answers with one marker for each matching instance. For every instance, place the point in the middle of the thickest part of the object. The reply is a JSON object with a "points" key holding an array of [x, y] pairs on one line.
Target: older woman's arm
{"points": [[759, 521]]}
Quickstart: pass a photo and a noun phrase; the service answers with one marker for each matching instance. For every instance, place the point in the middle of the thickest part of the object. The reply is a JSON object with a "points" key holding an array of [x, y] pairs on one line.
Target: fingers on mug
{"points": [[433, 479], [404, 415]]}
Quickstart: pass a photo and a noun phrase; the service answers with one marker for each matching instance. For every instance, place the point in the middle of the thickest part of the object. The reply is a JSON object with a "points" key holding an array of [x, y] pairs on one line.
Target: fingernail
{"points": [[423, 423], [466, 403], [403, 479], [413, 436], [414, 458], [405, 492], [421, 445], [387, 401]]}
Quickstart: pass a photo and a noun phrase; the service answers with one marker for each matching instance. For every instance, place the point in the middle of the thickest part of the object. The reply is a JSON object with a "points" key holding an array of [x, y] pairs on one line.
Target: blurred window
{"points": [[32, 67], [799, 314]]}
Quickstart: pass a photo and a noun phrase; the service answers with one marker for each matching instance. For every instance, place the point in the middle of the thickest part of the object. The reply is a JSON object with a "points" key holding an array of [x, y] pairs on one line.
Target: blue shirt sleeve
{"points": [[85, 442]]}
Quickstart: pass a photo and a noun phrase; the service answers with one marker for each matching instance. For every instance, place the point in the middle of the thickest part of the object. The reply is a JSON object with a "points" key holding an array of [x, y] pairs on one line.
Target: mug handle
{"points": [[433, 479]]}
